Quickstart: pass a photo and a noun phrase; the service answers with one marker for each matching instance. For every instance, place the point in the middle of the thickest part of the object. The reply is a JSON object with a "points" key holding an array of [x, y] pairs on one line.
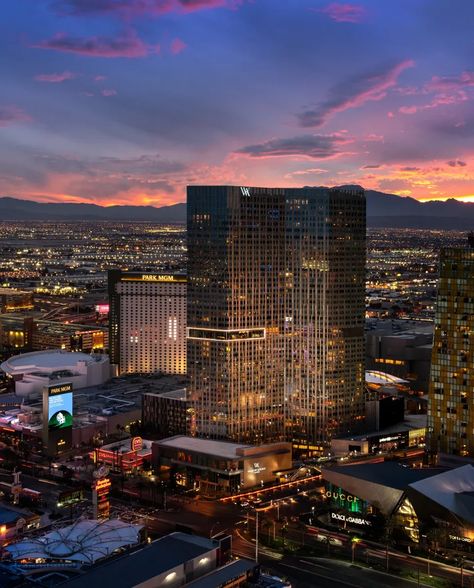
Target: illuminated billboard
{"points": [[60, 408], [57, 417]]}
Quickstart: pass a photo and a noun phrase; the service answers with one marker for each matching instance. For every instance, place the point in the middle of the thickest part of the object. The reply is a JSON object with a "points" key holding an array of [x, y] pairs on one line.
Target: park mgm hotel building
{"points": [[451, 396], [276, 303], [147, 322]]}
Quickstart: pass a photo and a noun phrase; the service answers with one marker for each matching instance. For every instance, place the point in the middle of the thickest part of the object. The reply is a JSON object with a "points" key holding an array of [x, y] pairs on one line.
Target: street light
{"points": [[256, 535], [355, 540]]}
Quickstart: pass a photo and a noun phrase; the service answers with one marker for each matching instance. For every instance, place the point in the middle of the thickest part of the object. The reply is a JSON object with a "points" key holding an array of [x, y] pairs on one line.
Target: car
{"points": [[244, 504]]}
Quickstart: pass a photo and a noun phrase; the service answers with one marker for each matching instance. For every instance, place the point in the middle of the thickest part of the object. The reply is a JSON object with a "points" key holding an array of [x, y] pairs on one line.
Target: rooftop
{"points": [[223, 575], [222, 449], [12, 291], [139, 566], [388, 473], [85, 542], [53, 359], [452, 489]]}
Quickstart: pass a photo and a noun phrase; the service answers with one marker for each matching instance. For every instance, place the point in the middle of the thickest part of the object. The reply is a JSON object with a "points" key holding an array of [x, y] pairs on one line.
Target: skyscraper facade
{"points": [[236, 275], [325, 313], [451, 397], [147, 322], [275, 312]]}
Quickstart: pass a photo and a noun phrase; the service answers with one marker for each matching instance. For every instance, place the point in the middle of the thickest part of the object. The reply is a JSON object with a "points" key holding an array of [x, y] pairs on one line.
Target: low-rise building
{"points": [[413, 501], [401, 348], [14, 522], [408, 434], [220, 468], [12, 299], [126, 455]]}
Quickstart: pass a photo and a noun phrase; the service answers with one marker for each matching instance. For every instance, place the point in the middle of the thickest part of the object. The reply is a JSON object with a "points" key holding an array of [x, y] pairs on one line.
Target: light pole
{"points": [[355, 540], [256, 535], [212, 528]]}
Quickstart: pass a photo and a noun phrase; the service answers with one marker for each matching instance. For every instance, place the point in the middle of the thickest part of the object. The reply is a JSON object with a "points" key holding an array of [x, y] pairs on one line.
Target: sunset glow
{"points": [[119, 103]]}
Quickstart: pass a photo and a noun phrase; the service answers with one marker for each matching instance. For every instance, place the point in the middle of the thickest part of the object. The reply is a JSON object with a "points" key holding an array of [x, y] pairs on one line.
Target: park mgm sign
{"points": [[57, 418], [164, 278]]}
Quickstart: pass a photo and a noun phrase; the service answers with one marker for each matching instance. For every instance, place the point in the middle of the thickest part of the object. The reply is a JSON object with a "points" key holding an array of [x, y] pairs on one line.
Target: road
{"points": [[211, 517], [311, 572]]}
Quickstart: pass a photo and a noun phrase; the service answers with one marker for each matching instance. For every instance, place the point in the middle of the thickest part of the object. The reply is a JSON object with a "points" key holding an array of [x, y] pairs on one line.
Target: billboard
{"points": [[60, 407], [57, 417]]}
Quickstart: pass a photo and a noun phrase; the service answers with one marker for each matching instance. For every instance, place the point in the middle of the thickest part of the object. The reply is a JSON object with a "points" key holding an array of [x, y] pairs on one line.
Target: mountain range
{"points": [[383, 210]]}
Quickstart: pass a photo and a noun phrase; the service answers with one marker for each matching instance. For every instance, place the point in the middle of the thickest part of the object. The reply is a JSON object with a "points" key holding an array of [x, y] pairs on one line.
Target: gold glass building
{"points": [[325, 314], [276, 286], [236, 312], [451, 397]]}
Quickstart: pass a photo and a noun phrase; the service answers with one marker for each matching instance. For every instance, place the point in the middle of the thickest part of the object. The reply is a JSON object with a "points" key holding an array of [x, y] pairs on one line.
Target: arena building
{"points": [[33, 371]]}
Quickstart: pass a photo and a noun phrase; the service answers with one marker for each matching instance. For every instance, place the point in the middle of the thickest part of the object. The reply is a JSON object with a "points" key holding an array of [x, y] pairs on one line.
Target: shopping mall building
{"points": [[413, 502]]}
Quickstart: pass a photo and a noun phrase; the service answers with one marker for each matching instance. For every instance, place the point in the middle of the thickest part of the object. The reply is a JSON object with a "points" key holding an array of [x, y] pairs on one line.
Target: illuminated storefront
{"points": [[219, 468], [412, 501], [126, 456]]}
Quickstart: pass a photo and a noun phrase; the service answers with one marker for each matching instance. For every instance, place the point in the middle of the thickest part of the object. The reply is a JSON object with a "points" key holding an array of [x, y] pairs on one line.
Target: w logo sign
{"points": [[245, 191]]}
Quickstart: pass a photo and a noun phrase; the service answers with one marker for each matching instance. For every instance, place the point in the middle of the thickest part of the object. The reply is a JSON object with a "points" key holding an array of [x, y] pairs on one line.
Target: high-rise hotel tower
{"points": [[147, 322], [451, 397], [276, 283]]}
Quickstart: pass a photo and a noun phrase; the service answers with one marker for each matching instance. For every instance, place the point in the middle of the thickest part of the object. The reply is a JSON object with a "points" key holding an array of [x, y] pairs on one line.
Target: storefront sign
{"points": [[463, 539], [350, 519], [341, 496], [256, 469], [137, 443]]}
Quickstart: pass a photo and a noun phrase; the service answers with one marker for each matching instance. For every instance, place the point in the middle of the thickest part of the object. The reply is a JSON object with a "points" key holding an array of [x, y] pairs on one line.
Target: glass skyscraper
{"points": [[451, 397], [276, 282]]}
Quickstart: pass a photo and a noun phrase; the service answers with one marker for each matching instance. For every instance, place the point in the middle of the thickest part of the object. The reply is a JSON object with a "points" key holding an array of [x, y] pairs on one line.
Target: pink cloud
{"points": [[337, 12], [353, 94], [56, 78], [128, 9], [125, 45], [99, 78], [177, 46], [438, 100], [9, 115], [443, 83], [109, 92]]}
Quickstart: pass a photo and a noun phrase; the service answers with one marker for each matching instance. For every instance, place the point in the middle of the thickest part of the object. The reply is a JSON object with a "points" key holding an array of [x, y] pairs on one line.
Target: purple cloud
{"points": [[344, 12], [311, 146], [128, 9], [125, 45], [354, 93], [109, 92], [456, 163], [56, 78], [9, 115]]}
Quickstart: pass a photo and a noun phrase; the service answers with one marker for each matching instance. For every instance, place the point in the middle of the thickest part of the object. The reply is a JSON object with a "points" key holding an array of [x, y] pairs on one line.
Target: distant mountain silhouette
{"points": [[15, 209], [383, 210], [389, 210]]}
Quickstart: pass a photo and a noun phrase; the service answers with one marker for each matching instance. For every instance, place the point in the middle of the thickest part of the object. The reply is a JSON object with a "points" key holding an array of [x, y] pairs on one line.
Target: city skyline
{"points": [[119, 102]]}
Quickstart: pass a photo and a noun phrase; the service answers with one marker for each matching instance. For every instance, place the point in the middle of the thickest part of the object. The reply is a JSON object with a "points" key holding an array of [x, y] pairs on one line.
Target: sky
{"points": [[128, 101]]}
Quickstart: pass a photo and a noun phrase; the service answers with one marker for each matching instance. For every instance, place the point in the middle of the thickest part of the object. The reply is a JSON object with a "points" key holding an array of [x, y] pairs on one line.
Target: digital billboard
{"points": [[60, 410], [57, 417]]}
